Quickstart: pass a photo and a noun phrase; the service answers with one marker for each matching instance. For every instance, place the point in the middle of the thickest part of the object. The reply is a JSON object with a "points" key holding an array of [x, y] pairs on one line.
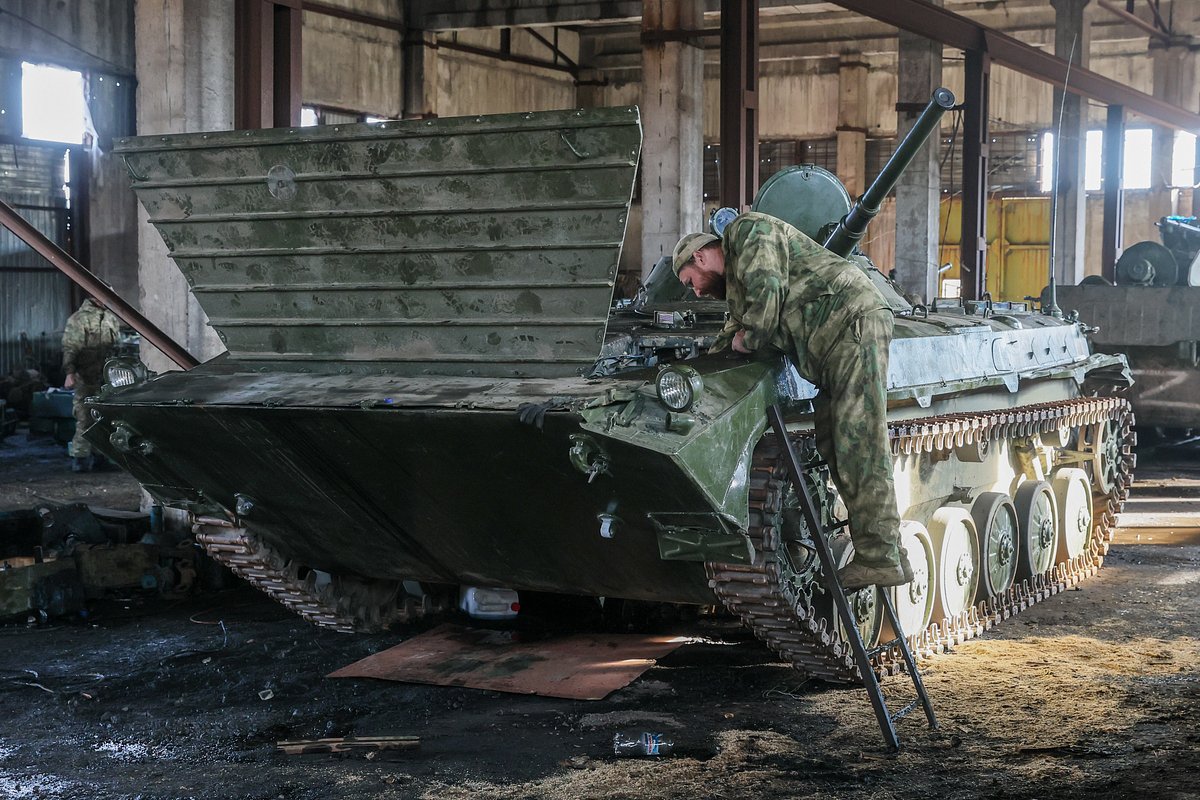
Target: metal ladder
{"points": [[862, 656]]}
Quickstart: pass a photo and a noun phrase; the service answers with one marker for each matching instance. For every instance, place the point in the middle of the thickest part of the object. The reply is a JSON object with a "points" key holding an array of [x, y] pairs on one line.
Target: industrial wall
{"points": [[352, 65], [359, 67]]}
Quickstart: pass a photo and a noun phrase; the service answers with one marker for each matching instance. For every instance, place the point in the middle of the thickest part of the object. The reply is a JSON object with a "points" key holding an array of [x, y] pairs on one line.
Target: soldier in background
{"points": [[88, 341], [788, 294]]}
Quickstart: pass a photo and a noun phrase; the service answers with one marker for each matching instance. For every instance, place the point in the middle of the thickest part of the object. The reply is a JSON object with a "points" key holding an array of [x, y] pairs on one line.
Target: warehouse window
{"points": [[52, 104], [1135, 172], [1093, 160], [1183, 160], [773, 156]]}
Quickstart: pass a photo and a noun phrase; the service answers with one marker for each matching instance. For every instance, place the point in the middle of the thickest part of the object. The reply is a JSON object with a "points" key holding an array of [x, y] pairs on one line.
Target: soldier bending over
{"points": [[787, 293]]}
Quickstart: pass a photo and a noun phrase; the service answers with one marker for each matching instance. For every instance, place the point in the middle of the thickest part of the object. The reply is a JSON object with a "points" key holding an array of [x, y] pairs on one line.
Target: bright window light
{"points": [[369, 118], [1093, 159], [308, 117], [1183, 160], [1047, 177], [1135, 170], [1136, 174], [52, 106]]}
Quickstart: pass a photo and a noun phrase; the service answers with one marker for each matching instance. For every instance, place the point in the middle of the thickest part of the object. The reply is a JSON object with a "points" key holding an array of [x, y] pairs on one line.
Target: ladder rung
{"points": [[904, 712], [883, 648]]}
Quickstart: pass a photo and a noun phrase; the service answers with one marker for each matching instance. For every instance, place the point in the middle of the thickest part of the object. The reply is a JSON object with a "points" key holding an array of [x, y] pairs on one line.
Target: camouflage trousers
{"points": [[852, 436], [79, 446]]}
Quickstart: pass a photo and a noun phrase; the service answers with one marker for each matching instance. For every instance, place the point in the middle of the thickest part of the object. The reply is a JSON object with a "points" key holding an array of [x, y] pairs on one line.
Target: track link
{"points": [[339, 605], [783, 615]]}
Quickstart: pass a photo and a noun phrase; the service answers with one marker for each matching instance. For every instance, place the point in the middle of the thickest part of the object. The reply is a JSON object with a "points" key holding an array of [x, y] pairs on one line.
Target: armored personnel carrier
{"points": [[425, 388], [1152, 315]]}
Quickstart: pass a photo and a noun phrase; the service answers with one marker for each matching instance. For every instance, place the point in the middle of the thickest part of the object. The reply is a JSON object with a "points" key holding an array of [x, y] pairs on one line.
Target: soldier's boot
{"points": [[81, 464], [856, 576]]}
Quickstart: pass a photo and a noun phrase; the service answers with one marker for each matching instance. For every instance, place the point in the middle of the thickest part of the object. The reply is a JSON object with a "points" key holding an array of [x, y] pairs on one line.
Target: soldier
{"points": [[788, 294], [88, 340]]}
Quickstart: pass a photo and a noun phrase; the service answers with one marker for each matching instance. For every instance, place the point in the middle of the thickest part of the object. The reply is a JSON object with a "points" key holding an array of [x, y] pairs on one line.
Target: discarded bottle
{"points": [[641, 745]]}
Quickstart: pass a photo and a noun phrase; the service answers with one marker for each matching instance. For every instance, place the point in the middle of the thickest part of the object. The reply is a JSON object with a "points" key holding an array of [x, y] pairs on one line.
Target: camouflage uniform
{"points": [[790, 294], [88, 340]]}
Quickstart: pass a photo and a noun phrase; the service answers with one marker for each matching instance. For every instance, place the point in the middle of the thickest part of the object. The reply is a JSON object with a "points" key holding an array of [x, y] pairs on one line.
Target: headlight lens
{"points": [[121, 372], [678, 387]]}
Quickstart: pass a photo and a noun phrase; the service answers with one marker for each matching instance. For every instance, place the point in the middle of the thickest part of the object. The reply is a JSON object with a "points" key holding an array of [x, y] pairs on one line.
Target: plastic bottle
{"points": [[643, 744]]}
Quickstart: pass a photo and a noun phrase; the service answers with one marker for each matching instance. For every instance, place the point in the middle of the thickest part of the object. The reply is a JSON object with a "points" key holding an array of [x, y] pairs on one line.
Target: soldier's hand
{"points": [[739, 343], [69, 382]]}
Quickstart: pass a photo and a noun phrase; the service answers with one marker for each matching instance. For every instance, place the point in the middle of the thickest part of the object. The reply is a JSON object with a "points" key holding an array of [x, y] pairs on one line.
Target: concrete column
{"points": [[590, 88], [1174, 82], [918, 194], [1072, 31], [852, 123], [420, 75], [672, 125], [185, 83]]}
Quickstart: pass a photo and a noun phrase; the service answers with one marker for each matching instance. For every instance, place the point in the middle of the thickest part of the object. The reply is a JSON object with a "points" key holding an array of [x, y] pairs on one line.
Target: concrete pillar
{"points": [[590, 88], [1174, 82], [185, 83], [420, 75], [918, 194], [672, 125], [852, 123], [1072, 32]]}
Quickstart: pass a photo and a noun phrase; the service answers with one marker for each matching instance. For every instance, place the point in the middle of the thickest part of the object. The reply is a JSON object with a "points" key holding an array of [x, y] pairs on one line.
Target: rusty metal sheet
{"points": [[459, 246], [576, 667]]}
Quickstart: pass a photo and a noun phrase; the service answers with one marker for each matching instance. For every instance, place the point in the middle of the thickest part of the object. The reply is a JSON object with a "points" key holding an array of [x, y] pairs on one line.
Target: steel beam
{"points": [[739, 103], [83, 277], [1133, 20], [267, 63], [973, 272], [1114, 198], [330, 10], [964, 34]]}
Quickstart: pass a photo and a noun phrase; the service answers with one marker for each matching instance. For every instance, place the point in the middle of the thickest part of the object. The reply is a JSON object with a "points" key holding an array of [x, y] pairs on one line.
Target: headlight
{"points": [[121, 372], [678, 387]]}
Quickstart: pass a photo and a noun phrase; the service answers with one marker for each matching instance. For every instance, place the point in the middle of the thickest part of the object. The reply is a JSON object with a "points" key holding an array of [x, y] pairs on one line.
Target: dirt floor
{"points": [[1094, 692]]}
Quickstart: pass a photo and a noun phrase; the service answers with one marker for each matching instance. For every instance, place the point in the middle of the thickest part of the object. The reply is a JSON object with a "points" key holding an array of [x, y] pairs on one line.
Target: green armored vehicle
{"points": [[425, 389]]}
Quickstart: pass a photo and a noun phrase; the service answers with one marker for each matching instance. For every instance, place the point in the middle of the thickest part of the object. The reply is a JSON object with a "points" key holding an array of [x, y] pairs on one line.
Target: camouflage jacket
{"points": [[88, 340], [789, 293]]}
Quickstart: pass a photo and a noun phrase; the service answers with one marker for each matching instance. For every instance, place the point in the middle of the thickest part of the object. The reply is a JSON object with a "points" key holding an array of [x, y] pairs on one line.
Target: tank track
{"points": [[340, 605], [765, 594]]}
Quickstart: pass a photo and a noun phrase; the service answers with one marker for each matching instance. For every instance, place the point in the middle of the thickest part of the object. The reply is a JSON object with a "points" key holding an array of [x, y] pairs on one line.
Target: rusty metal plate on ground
{"points": [[577, 667]]}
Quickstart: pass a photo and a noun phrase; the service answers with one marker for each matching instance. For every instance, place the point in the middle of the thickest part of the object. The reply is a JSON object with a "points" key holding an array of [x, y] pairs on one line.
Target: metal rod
{"points": [[83, 278], [1114, 202], [1134, 21], [553, 47], [515, 59], [829, 578], [909, 661], [330, 10]]}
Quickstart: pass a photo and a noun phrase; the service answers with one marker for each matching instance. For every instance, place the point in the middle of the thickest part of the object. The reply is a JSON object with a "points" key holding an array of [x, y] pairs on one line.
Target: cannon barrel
{"points": [[852, 226]]}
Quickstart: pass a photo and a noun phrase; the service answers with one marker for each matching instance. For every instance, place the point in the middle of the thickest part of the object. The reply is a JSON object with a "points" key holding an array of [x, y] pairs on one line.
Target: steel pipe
{"points": [[82, 277]]}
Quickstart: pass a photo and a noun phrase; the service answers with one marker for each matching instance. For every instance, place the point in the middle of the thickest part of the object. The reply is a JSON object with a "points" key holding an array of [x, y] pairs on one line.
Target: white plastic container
{"points": [[480, 603]]}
